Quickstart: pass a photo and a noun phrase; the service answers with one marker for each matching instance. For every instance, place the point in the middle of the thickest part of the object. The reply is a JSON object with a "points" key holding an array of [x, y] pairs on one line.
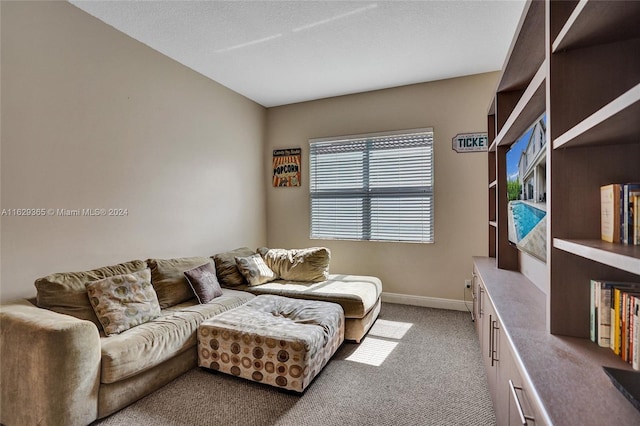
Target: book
{"points": [[625, 325], [593, 309], [610, 213], [600, 312], [635, 362], [603, 316], [616, 330], [629, 190], [632, 327], [628, 325], [615, 342], [636, 219]]}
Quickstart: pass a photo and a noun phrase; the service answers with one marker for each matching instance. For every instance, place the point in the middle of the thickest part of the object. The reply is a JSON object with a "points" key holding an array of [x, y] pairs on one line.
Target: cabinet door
{"points": [[477, 291], [515, 403], [490, 346]]}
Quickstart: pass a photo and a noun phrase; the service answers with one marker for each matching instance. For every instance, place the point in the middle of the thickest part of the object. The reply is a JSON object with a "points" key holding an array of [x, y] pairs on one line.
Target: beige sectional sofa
{"points": [[59, 367]]}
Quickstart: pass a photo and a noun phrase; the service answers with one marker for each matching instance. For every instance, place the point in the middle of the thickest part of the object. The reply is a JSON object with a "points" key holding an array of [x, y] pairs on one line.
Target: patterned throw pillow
{"points": [[254, 270], [124, 301], [204, 283]]}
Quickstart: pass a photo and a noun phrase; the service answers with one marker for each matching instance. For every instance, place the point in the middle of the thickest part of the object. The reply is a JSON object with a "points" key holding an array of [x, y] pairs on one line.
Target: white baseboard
{"points": [[427, 302]]}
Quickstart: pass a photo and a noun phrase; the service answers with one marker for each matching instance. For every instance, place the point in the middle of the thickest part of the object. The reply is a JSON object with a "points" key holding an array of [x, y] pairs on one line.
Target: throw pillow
{"points": [[204, 283], [227, 269], [254, 269], [167, 277], [65, 292], [124, 301], [309, 265]]}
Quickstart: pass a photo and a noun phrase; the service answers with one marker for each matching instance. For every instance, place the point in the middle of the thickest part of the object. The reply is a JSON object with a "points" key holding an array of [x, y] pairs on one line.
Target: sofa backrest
{"points": [[66, 293], [169, 281]]}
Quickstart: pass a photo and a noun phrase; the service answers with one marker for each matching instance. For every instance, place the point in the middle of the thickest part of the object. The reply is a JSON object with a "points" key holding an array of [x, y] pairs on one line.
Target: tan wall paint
{"points": [[450, 107], [94, 119]]}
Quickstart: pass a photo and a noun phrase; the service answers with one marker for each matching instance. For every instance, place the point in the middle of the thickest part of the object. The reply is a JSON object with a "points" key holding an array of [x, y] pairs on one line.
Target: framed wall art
{"points": [[287, 167]]}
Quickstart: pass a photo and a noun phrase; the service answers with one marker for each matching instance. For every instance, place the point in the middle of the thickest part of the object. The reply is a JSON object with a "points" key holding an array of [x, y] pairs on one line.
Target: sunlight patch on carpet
{"points": [[389, 329], [372, 351]]}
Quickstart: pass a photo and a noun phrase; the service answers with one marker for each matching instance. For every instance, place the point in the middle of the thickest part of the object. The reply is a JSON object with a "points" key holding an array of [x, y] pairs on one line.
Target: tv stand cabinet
{"points": [[561, 378]]}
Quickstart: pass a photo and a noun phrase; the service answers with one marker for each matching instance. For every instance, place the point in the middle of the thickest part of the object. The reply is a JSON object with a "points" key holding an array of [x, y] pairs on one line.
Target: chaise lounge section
{"points": [[358, 295]]}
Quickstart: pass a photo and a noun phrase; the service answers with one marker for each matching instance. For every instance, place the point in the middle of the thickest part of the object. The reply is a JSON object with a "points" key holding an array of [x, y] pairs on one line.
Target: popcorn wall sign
{"points": [[286, 167]]}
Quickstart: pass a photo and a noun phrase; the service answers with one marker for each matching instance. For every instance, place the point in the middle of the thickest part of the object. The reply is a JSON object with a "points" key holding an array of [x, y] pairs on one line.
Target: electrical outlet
{"points": [[467, 283]]}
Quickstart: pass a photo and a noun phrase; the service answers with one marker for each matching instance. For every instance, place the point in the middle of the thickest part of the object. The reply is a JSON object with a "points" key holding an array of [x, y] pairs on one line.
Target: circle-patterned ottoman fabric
{"points": [[275, 340]]}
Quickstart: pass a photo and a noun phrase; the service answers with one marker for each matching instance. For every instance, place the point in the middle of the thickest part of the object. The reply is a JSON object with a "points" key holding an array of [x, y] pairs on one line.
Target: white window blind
{"points": [[373, 187]]}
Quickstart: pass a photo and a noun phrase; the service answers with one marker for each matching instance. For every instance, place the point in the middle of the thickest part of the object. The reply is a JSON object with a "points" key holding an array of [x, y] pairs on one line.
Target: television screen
{"points": [[526, 190]]}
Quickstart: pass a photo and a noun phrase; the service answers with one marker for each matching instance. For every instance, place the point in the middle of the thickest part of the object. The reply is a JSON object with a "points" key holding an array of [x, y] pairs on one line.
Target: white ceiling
{"points": [[282, 52]]}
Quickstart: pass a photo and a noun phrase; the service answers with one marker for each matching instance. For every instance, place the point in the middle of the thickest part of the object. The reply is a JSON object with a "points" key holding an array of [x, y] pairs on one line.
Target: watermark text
{"points": [[61, 212]]}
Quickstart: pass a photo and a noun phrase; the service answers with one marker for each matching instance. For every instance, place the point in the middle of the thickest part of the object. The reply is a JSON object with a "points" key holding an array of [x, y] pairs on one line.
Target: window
{"points": [[373, 187]]}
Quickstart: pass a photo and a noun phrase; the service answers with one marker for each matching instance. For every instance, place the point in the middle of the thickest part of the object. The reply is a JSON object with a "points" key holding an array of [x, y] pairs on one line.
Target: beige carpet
{"points": [[417, 366]]}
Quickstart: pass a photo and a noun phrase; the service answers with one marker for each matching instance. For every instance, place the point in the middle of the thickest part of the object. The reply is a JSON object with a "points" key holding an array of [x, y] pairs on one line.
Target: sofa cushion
{"points": [[147, 345], [123, 301], [203, 282], [355, 293], [66, 293], [226, 268], [167, 277], [309, 264], [254, 270]]}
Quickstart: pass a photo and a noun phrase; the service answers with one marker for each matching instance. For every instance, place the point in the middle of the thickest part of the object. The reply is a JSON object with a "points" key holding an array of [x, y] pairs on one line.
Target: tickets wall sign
{"points": [[286, 167], [470, 142]]}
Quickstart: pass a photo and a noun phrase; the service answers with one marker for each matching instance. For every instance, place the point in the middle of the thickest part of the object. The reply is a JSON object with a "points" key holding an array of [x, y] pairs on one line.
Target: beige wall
{"points": [[450, 106], [93, 119]]}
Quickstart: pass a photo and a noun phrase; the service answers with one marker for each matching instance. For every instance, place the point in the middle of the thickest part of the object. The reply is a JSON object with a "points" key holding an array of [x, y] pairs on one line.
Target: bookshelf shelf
{"points": [[529, 107], [595, 22], [592, 84], [619, 256], [526, 52], [615, 123]]}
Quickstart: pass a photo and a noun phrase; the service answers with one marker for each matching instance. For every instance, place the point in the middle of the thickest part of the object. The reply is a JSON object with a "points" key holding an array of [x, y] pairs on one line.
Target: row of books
{"points": [[620, 213], [615, 318]]}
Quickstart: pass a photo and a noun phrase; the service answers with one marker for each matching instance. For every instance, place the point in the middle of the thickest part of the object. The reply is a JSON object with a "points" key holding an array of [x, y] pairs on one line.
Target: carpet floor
{"points": [[417, 366]]}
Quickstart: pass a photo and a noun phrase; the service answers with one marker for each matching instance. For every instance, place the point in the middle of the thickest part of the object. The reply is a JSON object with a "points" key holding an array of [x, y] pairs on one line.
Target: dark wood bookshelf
{"points": [[577, 61]]}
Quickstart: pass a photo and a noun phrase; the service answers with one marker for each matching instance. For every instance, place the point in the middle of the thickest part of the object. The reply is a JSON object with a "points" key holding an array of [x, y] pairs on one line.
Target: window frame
{"points": [[379, 193]]}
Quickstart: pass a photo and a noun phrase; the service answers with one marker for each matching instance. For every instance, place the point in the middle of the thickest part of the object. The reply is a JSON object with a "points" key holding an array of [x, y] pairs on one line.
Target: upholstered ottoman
{"points": [[271, 339]]}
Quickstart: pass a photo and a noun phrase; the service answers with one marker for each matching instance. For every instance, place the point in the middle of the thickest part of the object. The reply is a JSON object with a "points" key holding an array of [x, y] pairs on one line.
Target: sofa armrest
{"points": [[49, 367]]}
